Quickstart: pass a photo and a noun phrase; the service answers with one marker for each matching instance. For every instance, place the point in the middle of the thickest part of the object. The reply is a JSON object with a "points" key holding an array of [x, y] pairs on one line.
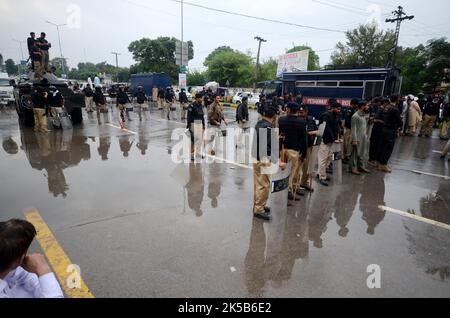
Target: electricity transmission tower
{"points": [[400, 16]]}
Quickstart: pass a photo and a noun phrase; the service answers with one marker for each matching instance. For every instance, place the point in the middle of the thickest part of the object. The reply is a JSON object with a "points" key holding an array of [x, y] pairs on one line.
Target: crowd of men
{"points": [[367, 132]]}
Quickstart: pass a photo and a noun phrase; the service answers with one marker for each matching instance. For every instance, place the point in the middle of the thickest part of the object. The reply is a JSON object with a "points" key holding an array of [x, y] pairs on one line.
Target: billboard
{"points": [[292, 62]]}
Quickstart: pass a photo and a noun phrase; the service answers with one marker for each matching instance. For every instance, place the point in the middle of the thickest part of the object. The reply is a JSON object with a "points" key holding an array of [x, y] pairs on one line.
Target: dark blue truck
{"points": [[148, 81], [317, 87]]}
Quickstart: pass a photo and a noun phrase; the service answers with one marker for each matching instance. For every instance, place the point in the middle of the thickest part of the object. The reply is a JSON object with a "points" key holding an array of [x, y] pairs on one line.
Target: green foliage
{"points": [[313, 61], [268, 70], [424, 68], [58, 63], [438, 66], [157, 56], [11, 67], [85, 70], [233, 66], [216, 51], [412, 62], [196, 78], [366, 46]]}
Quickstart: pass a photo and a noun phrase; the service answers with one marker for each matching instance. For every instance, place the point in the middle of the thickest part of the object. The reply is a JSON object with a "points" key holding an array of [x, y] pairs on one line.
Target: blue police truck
{"points": [[148, 81], [317, 87]]}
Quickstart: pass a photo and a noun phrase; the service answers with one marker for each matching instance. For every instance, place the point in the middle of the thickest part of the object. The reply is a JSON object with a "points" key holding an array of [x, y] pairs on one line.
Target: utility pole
{"points": [[21, 49], [400, 16], [21, 52], [182, 31], [117, 64], [59, 40], [260, 40]]}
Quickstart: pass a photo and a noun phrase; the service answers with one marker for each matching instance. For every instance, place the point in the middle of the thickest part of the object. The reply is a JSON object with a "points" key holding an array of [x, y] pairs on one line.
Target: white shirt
{"points": [[22, 284], [97, 81]]}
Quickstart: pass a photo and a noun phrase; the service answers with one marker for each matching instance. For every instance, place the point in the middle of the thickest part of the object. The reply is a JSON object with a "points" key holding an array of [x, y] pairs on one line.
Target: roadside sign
{"points": [[182, 80], [181, 53]]}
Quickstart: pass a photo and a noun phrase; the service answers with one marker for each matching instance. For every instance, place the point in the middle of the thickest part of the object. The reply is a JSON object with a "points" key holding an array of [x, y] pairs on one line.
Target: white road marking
{"points": [[230, 162], [232, 269], [166, 120], [431, 174], [415, 217], [437, 151], [124, 129]]}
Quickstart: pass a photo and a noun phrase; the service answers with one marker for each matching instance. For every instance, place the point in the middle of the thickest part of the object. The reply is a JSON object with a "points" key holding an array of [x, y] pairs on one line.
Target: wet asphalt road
{"points": [[140, 225]]}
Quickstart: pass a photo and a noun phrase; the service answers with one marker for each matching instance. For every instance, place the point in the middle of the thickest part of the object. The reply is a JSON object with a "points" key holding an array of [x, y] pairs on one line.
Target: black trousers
{"points": [[388, 137], [375, 143]]}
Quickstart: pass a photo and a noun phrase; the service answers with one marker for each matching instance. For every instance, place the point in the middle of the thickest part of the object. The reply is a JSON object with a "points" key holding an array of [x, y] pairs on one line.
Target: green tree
{"points": [[123, 75], [366, 46], [313, 60], [1, 60], [438, 66], [157, 55], [235, 67], [196, 78], [413, 64], [216, 51], [58, 63], [11, 67], [269, 70]]}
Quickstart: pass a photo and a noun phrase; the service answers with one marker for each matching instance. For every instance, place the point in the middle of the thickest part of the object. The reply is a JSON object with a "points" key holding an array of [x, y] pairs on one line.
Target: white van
{"points": [[6, 90]]}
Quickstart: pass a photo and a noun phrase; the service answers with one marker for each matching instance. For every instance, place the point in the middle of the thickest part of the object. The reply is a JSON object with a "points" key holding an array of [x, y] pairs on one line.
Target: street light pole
{"points": [[21, 49], [59, 40], [117, 64], [21, 52]]}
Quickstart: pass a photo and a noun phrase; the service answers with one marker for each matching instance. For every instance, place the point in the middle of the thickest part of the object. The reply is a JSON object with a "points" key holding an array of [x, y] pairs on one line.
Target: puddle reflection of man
{"points": [[195, 189], [345, 206], [372, 196], [103, 147], [317, 223], [142, 144], [254, 260], [125, 145]]}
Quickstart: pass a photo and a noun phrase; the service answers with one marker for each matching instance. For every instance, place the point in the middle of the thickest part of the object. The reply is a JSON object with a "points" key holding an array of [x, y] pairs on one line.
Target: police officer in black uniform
{"points": [[295, 141], [392, 123], [195, 115]]}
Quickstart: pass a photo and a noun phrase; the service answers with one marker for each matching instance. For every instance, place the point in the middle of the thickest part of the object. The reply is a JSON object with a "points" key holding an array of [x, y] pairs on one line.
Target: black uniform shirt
{"points": [[311, 126], [242, 112], [99, 98], [183, 97], [349, 112], [39, 100], [431, 109], [88, 92], [43, 44], [331, 132], [195, 113], [56, 100], [293, 129], [263, 124], [392, 118], [122, 98], [141, 98], [30, 43], [446, 110]]}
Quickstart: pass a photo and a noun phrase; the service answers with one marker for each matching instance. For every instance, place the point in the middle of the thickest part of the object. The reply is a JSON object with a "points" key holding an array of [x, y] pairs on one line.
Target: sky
{"points": [[96, 28]]}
